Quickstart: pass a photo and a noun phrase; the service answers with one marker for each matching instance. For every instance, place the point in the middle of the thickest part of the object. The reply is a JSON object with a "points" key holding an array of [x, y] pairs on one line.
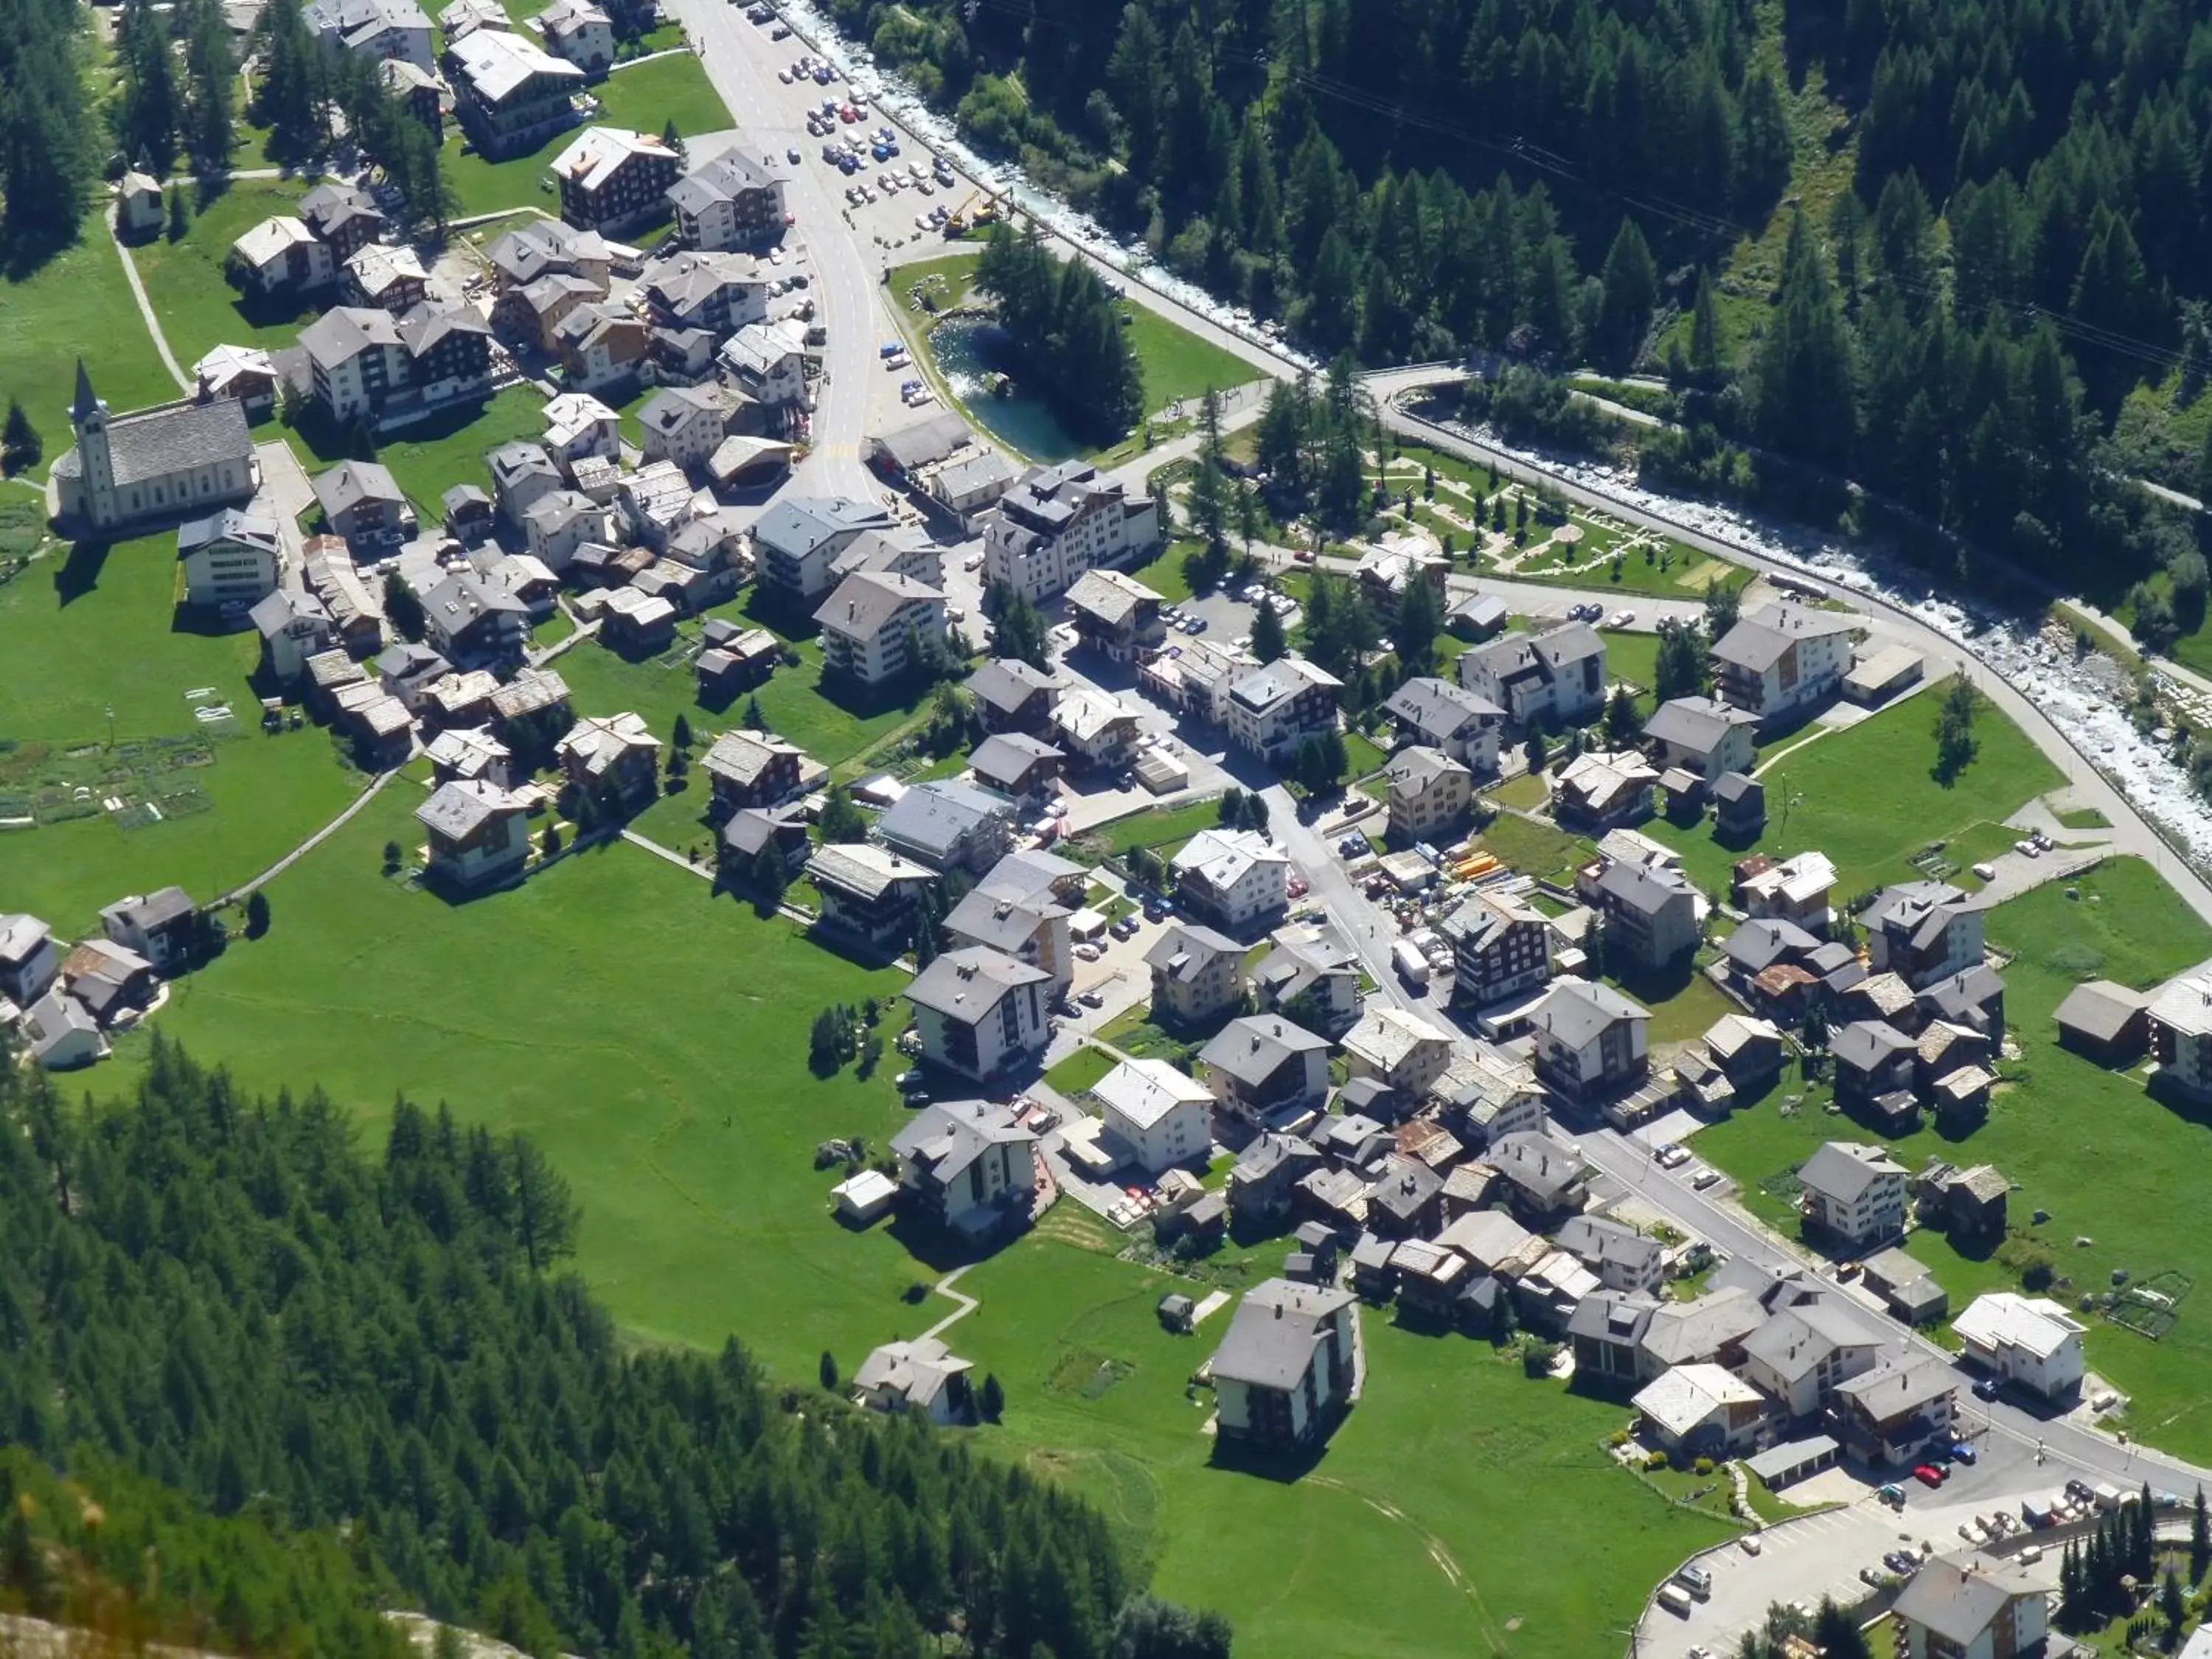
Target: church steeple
{"points": [[87, 404]]}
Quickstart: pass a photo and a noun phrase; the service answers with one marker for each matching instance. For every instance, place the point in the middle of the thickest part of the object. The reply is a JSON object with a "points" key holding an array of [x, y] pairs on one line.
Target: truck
{"points": [[1412, 967]]}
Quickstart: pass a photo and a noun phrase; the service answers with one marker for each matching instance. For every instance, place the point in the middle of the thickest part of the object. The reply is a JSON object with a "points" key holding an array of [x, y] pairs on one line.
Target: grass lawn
{"points": [[1156, 826], [1634, 659], [1448, 1440], [1178, 365], [1685, 575], [1080, 1070], [1533, 849], [95, 633], [644, 96], [430, 457], [1525, 792], [2089, 1146], [947, 281], [199, 308], [1365, 755], [76, 304], [1869, 798], [687, 1123], [1683, 1004], [2084, 817]]}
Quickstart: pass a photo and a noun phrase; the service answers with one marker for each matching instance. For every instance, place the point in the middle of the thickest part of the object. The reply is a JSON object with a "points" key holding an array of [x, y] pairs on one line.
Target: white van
{"points": [[1675, 1600]]}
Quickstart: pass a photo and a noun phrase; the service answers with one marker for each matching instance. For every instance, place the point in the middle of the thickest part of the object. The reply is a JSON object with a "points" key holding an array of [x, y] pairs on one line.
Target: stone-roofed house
{"points": [[981, 1013], [293, 627], [1972, 1606], [766, 364], [1622, 1258], [510, 94], [462, 753], [869, 893], [1159, 1114], [2180, 1020], [2030, 1342], [1264, 1181], [1799, 1355], [1406, 1200], [1710, 1330], [230, 558], [1606, 1332], [1114, 615], [797, 541], [1285, 1371], [1021, 910], [153, 465], [1311, 976], [1871, 1061], [922, 1377], [1438, 715], [947, 825], [61, 1034], [1922, 931], [2108, 1023], [478, 832], [1197, 974], [612, 178], [1739, 809], [281, 256], [1093, 727], [361, 501], [1853, 1194], [1058, 522], [1748, 1051], [374, 29], [1010, 695], [1556, 677], [390, 278], [1896, 1413], [245, 374], [729, 201], [966, 1165], [1591, 1040], [579, 32], [721, 293], [1274, 708], [1266, 1070], [1796, 890], [1701, 1411], [615, 758], [1784, 658], [751, 770], [163, 926], [110, 980], [345, 217], [1236, 878], [683, 424], [1400, 1048], [1651, 921], [1430, 794], [1485, 1094], [1756, 946], [1546, 1180], [1973, 997], [1016, 765], [876, 627], [28, 958], [1597, 790], [471, 622], [1702, 736], [1501, 949]]}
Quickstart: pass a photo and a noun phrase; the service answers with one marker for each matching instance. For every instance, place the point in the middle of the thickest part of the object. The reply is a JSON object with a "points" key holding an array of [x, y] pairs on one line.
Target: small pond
{"points": [[971, 353]]}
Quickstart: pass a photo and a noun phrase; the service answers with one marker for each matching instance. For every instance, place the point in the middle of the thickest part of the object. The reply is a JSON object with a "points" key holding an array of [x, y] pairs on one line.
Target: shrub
{"points": [[1536, 1358], [1703, 1465], [1654, 1460]]}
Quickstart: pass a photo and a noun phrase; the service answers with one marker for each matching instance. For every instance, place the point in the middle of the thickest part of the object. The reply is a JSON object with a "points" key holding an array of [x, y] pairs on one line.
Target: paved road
{"points": [[844, 271]]}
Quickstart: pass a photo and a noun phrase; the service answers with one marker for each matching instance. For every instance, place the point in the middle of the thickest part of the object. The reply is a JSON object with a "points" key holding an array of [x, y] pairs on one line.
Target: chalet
{"points": [[1554, 679], [947, 825], [613, 759], [163, 926], [1781, 660], [968, 1165], [1309, 975], [1266, 1071], [752, 769], [478, 833], [1114, 615], [1590, 1041], [1236, 878], [1197, 974], [1274, 707], [1440, 715], [727, 203], [1501, 949], [1853, 1194], [1016, 765], [869, 893], [1284, 1371], [980, 1013], [509, 93], [1010, 695], [612, 180]]}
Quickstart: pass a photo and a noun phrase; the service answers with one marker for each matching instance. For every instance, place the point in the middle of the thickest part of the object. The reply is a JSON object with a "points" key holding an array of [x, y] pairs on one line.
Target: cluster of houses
{"points": [[61, 1000]]}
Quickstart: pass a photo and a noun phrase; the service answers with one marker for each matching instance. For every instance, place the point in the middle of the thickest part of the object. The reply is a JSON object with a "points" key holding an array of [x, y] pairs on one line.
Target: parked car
{"points": [[792, 156], [1088, 952], [1930, 1474], [1673, 1155], [1893, 1495], [1705, 1178], [1092, 999], [1988, 1387], [1698, 1580], [1961, 1452]]}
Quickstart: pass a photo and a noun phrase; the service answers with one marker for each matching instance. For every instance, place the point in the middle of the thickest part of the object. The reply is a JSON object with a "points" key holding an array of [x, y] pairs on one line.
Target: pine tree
{"points": [[753, 720], [1420, 621], [257, 913], [1268, 640], [1680, 666], [180, 216], [2200, 1539], [21, 445], [993, 1399], [1230, 814]]}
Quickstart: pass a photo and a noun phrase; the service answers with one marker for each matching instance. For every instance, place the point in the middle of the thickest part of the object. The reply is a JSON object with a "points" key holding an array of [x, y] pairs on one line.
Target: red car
{"points": [[1928, 1475]]}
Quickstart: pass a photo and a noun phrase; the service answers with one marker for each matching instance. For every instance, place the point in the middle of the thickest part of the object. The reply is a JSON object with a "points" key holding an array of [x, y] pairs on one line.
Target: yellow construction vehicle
{"points": [[981, 209]]}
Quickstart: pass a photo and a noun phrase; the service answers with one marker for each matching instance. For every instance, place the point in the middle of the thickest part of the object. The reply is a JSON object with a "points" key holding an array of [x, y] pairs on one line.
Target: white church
{"points": [[153, 465]]}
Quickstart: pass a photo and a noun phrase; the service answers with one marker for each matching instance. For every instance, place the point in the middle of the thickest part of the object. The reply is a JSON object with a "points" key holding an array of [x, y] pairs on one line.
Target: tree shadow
{"points": [[1285, 1465], [80, 573], [24, 252]]}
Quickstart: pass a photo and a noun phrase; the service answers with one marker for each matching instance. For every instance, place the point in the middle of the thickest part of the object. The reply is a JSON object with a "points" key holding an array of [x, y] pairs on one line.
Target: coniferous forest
{"points": [[295, 1382], [2019, 243]]}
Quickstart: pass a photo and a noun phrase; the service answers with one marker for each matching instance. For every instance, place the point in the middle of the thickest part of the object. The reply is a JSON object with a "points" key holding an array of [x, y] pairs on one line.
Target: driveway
{"points": [[286, 493]]}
